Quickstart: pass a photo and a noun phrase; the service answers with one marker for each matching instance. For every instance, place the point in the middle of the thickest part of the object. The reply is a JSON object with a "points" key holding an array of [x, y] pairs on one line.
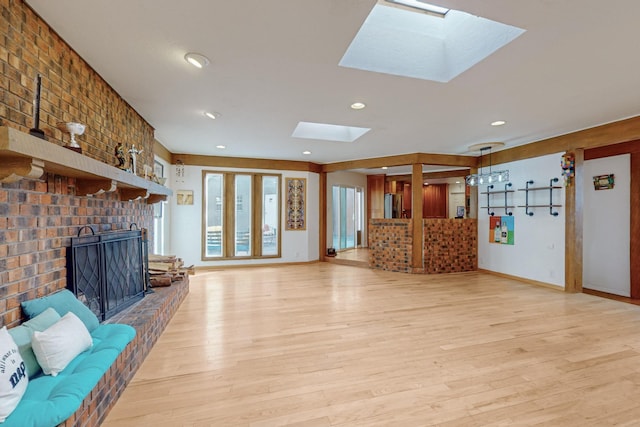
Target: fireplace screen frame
{"points": [[107, 271]]}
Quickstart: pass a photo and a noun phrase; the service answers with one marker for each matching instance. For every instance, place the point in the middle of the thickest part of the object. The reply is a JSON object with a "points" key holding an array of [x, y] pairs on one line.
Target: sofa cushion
{"points": [[13, 375], [23, 334], [50, 400], [58, 345], [63, 302]]}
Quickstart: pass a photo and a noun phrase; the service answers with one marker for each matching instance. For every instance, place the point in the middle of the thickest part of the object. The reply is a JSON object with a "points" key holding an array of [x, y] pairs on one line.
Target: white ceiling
{"points": [[275, 63]]}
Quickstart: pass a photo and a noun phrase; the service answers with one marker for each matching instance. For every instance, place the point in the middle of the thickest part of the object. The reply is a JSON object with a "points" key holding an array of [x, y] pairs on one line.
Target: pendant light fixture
{"points": [[483, 177]]}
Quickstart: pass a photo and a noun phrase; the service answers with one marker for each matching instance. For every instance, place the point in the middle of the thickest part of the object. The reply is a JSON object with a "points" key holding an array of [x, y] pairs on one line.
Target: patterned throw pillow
{"points": [[13, 375]]}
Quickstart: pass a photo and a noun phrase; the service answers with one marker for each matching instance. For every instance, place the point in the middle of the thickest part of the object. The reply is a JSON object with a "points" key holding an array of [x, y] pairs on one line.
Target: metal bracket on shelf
{"points": [[506, 210], [551, 212], [489, 200], [526, 198]]}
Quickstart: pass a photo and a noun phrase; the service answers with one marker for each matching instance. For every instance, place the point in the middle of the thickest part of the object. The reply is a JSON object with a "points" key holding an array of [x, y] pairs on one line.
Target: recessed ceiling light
{"points": [[385, 168], [306, 152], [426, 183], [196, 59], [222, 147], [457, 182], [212, 116], [498, 123], [357, 106]]}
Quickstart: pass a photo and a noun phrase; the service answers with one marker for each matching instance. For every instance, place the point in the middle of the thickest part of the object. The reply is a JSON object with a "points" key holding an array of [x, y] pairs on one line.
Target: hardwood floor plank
{"points": [[333, 345]]}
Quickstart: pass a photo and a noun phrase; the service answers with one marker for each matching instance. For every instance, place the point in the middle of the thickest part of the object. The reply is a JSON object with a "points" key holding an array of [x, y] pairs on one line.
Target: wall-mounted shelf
{"points": [[550, 188], [505, 206], [24, 156]]}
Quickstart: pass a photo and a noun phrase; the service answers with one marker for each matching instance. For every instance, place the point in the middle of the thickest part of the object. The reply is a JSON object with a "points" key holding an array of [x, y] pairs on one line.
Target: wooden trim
{"points": [[611, 296], [417, 259], [612, 150], [322, 203], [256, 215], [229, 217], [161, 151], [573, 256], [523, 280], [634, 252], [245, 163]]}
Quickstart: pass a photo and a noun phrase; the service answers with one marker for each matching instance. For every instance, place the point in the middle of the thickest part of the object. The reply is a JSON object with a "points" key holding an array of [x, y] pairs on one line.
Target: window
{"points": [[241, 215]]}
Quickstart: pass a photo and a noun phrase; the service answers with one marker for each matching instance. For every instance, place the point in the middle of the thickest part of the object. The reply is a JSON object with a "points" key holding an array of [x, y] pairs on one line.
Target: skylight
{"points": [[418, 4], [328, 132], [404, 42]]}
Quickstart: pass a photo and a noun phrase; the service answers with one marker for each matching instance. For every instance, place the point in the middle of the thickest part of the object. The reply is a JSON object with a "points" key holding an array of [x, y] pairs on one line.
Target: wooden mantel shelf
{"points": [[25, 156]]}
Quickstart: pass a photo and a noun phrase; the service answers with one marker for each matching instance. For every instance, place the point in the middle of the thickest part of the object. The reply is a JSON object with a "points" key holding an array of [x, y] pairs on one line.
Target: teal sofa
{"points": [[50, 400]]}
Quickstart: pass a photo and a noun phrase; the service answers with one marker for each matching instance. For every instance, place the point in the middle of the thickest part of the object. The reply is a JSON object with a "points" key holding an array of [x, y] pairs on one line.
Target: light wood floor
{"points": [[333, 345]]}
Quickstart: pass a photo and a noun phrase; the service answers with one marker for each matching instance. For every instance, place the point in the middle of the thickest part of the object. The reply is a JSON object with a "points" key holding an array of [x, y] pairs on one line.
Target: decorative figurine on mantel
{"points": [[36, 131], [122, 161], [72, 129], [133, 154]]}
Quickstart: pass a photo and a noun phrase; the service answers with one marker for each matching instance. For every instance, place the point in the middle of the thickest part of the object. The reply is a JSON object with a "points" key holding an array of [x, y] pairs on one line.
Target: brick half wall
{"points": [[450, 245]]}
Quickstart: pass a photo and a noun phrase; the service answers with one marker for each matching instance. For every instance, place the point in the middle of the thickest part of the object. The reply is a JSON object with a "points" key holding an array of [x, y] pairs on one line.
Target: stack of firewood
{"points": [[166, 269]]}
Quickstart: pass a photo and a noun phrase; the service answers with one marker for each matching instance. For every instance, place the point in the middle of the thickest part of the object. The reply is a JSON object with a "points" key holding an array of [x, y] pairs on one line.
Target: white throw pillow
{"points": [[58, 345], [13, 375]]}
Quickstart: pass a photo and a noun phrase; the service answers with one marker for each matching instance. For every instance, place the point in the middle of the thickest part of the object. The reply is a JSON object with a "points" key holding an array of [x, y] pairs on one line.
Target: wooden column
{"points": [[573, 228], [634, 252], [375, 198], [322, 240], [416, 217]]}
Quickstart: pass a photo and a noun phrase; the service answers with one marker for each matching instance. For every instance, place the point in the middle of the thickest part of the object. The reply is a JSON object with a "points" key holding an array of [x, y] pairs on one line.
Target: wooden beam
{"points": [[599, 136], [245, 163], [161, 151], [404, 160], [573, 227], [458, 173], [416, 219]]}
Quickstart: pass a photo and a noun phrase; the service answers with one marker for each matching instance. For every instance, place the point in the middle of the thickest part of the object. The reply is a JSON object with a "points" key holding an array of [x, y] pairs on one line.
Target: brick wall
{"points": [[71, 90], [450, 245], [38, 217], [390, 243], [37, 221]]}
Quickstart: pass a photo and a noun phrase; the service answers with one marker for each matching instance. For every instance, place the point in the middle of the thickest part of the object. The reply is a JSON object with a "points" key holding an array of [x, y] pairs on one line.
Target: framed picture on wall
{"points": [[184, 197], [296, 212]]}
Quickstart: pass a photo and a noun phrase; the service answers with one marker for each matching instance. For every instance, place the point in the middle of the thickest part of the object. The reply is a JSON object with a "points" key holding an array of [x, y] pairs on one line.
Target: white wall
{"points": [[606, 227], [186, 220], [162, 237], [538, 250], [348, 179]]}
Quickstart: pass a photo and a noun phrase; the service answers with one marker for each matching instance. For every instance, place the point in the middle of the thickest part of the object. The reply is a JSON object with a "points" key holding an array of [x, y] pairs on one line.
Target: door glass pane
{"points": [[213, 215], [335, 210], [270, 209], [350, 216], [243, 215], [343, 218]]}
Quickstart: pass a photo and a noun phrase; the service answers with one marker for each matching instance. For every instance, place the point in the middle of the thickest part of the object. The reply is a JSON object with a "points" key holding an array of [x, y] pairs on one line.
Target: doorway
{"points": [[347, 217]]}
